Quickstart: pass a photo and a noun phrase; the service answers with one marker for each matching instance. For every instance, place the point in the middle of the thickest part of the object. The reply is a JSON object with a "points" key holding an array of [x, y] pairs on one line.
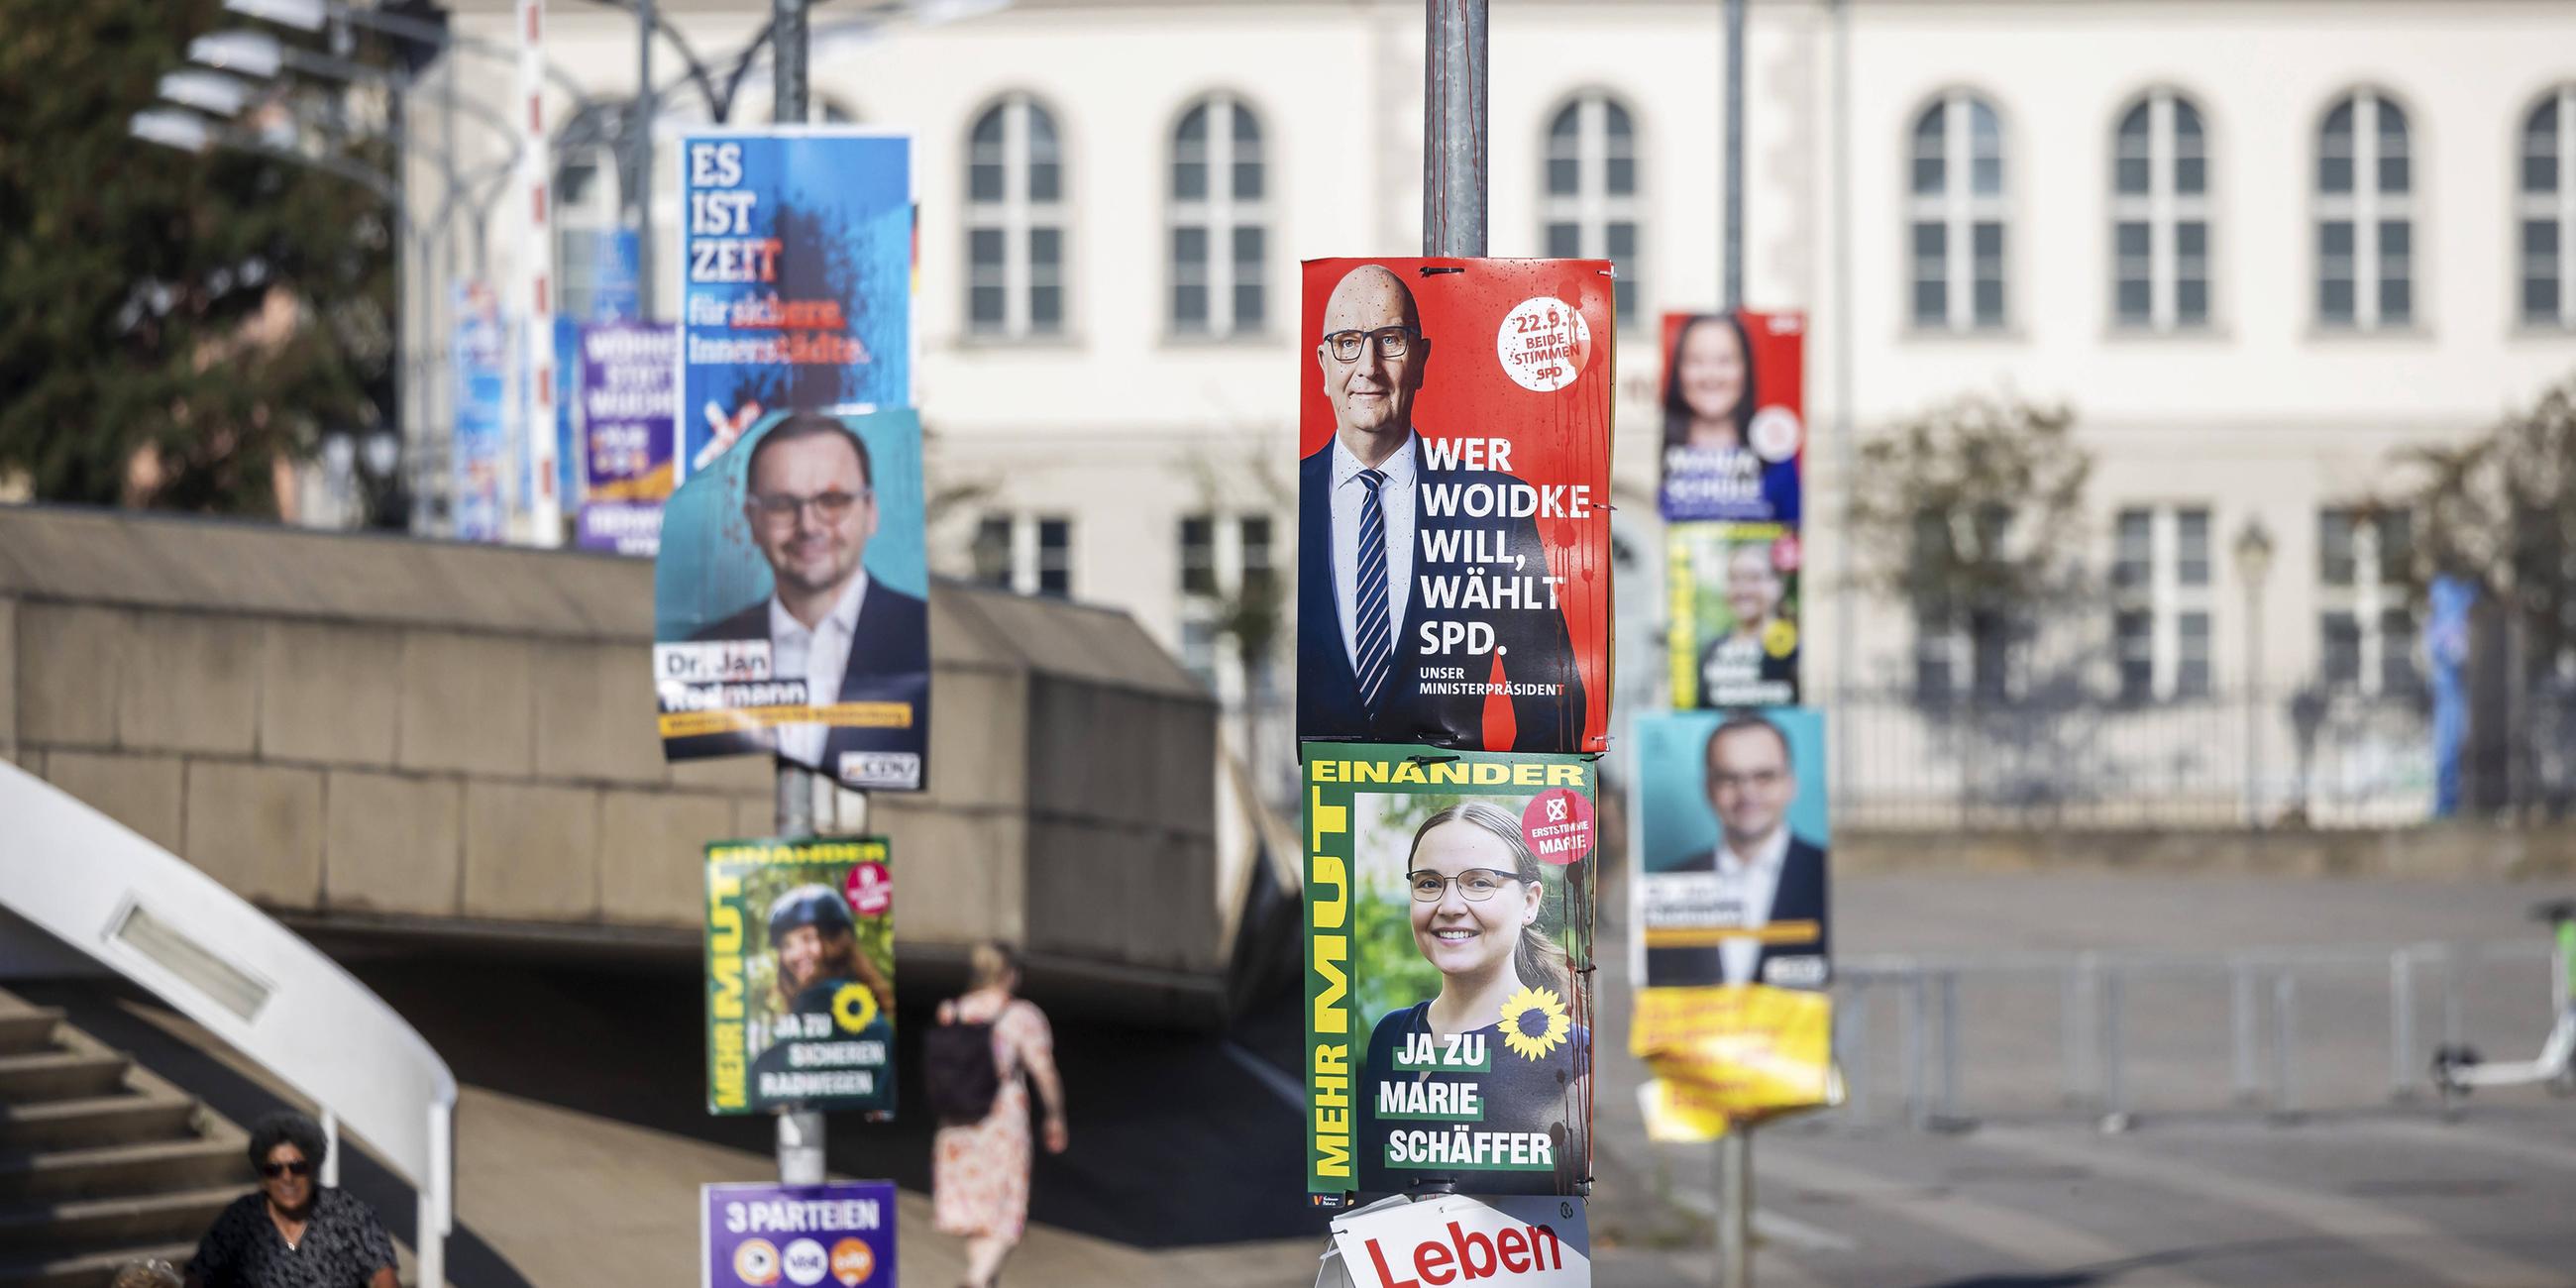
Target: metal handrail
{"points": [[159, 921]]}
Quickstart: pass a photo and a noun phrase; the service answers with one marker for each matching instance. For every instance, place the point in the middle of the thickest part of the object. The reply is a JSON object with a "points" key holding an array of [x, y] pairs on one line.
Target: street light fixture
{"points": [[255, 54], [2253, 553], [171, 128], [213, 93]]}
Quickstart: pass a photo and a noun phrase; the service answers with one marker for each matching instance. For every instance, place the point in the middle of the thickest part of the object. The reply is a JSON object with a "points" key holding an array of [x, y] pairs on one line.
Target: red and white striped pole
{"points": [[544, 503]]}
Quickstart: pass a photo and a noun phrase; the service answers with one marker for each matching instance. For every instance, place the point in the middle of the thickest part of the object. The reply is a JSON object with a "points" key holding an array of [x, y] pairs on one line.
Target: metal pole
{"points": [[2240, 1014], [787, 61], [1846, 449], [642, 166], [2285, 1042], [1734, 278], [1453, 129], [1945, 1117], [1735, 1215], [2115, 1092], [800, 1131], [2401, 1024], [1918, 1028], [2253, 717]]}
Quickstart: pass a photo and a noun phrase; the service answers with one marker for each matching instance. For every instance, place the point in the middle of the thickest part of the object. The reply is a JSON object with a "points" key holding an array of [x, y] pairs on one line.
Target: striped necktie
{"points": [[1376, 633]]}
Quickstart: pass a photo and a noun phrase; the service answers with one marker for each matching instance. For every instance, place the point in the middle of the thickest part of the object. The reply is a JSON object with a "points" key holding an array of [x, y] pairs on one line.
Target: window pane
{"points": [[1247, 180], [1563, 241], [2397, 643], [2540, 148], [984, 249], [2191, 659], [1561, 177], [1929, 140], [1055, 557], [2130, 271], [1621, 243], [2396, 548], [2133, 546], [2133, 644], [1985, 151], [2334, 271], [2339, 647], [1931, 274], [2334, 150], [1046, 249], [2393, 176], [1989, 300], [2540, 270], [991, 551], [1189, 181], [1198, 555], [985, 308], [1189, 307], [1251, 305], [1046, 308], [2335, 565], [2396, 272], [2129, 160], [1046, 181], [2191, 272], [2191, 166], [1249, 301], [1621, 176], [1189, 251], [1193, 127], [2191, 547], [984, 182], [988, 129]]}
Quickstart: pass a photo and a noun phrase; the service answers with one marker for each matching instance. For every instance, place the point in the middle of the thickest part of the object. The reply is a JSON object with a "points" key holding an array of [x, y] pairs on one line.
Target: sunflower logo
{"points": [[1534, 1022], [1780, 638]]}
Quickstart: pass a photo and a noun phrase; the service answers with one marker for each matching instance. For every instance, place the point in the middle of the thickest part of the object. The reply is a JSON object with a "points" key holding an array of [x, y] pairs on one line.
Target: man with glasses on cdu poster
{"points": [[860, 646], [1366, 665]]}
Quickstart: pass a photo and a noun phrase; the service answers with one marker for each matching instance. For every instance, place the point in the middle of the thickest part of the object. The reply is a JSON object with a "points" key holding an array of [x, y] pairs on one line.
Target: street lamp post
{"points": [[2253, 563]]}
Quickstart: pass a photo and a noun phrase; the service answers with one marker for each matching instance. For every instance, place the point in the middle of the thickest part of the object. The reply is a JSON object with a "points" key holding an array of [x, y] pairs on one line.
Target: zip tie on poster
{"points": [[1434, 270], [1419, 759]]}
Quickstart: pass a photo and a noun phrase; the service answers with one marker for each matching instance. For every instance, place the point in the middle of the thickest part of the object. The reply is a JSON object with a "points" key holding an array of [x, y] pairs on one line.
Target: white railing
{"points": [[154, 918]]}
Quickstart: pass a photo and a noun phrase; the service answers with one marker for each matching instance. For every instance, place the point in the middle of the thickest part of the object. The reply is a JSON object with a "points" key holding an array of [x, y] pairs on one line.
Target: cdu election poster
{"points": [[1453, 503], [790, 601], [1734, 631], [800, 976], [763, 1235], [625, 399], [1730, 902], [1734, 402], [1449, 918], [795, 266]]}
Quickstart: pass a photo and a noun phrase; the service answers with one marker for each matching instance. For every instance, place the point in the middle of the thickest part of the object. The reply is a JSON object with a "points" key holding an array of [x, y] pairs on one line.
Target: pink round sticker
{"points": [[871, 889], [1558, 825]]}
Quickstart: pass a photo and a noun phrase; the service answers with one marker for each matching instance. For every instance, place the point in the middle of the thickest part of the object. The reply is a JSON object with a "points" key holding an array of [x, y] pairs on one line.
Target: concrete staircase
{"points": [[100, 1161]]}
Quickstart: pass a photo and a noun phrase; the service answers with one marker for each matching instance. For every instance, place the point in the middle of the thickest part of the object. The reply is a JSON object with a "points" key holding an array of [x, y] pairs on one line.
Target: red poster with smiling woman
{"points": [[1453, 503]]}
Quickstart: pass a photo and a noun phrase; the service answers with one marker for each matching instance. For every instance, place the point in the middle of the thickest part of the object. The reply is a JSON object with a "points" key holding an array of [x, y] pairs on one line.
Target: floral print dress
{"points": [[980, 1172]]}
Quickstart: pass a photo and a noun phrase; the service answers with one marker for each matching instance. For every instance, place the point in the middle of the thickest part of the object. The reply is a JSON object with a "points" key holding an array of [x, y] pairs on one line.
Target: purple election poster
{"points": [[627, 405], [757, 1235]]}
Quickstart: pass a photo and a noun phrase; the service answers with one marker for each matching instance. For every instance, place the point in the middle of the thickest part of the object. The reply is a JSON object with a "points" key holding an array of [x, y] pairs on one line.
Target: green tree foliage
{"points": [[1973, 515], [219, 311], [2500, 511]]}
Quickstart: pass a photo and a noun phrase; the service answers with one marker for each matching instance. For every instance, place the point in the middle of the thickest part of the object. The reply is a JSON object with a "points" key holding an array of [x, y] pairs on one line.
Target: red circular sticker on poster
{"points": [[1558, 826], [870, 889]]}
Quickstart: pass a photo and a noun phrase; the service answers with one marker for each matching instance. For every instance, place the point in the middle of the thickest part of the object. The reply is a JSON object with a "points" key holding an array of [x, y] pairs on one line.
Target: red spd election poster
{"points": [[1734, 403], [1453, 503]]}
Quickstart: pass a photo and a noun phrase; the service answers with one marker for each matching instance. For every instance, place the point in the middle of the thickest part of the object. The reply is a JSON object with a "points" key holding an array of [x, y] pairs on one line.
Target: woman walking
{"points": [[980, 1169]]}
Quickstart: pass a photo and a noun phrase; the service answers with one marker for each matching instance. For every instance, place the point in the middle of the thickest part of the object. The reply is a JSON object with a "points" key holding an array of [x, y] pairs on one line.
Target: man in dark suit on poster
{"points": [[810, 506], [1762, 882], [1364, 525]]}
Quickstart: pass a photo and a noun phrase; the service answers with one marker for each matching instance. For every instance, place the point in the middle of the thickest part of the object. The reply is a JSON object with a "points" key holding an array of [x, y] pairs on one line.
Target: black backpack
{"points": [[959, 1072]]}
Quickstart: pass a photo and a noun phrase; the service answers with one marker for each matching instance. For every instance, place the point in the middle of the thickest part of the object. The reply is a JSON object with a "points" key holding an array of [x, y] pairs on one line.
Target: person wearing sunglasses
{"points": [[1374, 660], [809, 506], [294, 1232], [1482, 1087]]}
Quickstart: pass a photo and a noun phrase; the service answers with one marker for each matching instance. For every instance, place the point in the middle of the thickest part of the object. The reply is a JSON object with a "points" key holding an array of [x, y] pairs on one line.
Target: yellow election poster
{"points": [[1732, 926]]}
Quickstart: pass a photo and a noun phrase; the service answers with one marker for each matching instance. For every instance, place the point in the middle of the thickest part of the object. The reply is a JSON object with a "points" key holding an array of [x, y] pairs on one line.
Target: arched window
{"points": [[1014, 221], [1590, 208], [2365, 215], [2546, 209], [2160, 215], [1220, 221], [1955, 215]]}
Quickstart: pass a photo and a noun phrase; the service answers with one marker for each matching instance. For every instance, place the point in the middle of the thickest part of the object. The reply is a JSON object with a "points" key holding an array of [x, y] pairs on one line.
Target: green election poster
{"points": [[800, 976]]}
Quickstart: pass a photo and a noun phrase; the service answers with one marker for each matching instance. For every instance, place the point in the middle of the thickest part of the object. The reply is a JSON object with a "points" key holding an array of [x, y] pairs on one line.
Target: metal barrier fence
{"points": [[2318, 755], [1942, 1043]]}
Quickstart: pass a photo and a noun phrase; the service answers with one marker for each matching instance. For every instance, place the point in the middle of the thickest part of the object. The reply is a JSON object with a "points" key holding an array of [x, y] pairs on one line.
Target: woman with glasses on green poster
{"points": [[1483, 1088]]}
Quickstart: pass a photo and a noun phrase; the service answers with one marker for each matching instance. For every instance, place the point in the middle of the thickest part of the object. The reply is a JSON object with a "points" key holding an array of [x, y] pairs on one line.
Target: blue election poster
{"points": [[796, 253]]}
